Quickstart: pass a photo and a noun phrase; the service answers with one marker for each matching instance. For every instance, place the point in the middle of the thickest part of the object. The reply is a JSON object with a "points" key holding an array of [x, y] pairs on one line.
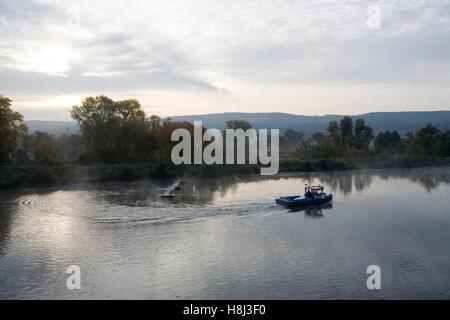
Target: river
{"points": [[226, 238]]}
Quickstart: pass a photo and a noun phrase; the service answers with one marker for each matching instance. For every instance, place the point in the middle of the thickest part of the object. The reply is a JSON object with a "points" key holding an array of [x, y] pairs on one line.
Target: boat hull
{"points": [[297, 201]]}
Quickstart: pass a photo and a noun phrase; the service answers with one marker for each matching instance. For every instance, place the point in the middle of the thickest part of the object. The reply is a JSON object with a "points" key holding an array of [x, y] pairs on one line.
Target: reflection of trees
{"points": [[429, 178], [428, 181], [8, 211], [363, 180], [313, 212], [344, 181], [203, 190], [337, 180], [136, 194]]}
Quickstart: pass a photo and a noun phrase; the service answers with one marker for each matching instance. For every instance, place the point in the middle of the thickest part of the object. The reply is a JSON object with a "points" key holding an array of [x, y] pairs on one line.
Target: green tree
{"points": [[291, 138], [132, 138], [98, 123], [363, 135], [11, 125], [426, 141], [442, 145], [387, 141], [333, 133], [68, 147], [346, 131], [116, 131], [318, 137]]}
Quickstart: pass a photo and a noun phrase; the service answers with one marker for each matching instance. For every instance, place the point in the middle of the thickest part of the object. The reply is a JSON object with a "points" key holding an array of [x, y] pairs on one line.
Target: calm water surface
{"points": [[227, 239]]}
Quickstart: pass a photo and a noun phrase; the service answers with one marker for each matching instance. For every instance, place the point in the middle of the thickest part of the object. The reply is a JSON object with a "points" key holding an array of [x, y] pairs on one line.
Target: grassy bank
{"points": [[49, 175]]}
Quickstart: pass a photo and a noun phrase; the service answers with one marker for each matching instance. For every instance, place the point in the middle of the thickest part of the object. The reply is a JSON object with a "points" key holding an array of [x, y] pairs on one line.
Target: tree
{"points": [[318, 137], [45, 151], [426, 141], [97, 122], [129, 109], [132, 138], [333, 133], [346, 131], [387, 141], [409, 136], [291, 138], [116, 131], [363, 135], [442, 145], [238, 124], [9, 130], [68, 148]]}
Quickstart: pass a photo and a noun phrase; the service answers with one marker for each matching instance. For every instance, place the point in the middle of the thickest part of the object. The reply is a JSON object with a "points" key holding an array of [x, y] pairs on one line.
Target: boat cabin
{"points": [[313, 191]]}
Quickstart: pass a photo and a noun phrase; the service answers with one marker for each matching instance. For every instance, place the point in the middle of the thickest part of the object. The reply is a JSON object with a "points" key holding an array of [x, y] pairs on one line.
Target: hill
{"points": [[401, 121], [52, 127], [379, 121]]}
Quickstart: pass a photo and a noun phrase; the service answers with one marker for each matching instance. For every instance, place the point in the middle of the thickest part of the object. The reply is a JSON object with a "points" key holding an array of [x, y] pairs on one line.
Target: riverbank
{"points": [[59, 174]]}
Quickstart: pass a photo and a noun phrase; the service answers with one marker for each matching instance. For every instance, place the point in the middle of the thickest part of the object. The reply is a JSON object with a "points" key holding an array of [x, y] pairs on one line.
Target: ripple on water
{"points": [[86, 206]]}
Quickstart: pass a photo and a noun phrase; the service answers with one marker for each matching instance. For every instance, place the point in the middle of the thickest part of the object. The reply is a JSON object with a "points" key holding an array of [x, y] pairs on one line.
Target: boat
{"points": [[170, 193], [179, 184], [313, 195]]}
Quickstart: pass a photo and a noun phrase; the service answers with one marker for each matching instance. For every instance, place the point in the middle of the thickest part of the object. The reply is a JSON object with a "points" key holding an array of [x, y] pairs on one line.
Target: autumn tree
{"points": [[45, 151], [116, 131], [11, 125]]}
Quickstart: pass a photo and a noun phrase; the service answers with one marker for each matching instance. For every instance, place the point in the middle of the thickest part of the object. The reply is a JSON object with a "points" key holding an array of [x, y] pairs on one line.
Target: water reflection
{"points": [[360, 180], [429, 178], [8, 211], [141, 202], [145, 193], [204, 191], [313, 212]]}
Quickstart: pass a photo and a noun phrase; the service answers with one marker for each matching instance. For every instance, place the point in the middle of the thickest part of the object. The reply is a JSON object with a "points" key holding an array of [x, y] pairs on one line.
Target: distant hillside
{"points": [[53, 127], [379, 121]]}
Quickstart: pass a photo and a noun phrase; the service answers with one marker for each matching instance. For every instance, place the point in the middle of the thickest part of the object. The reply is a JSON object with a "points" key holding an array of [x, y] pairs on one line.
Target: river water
{"points": [[225, 238]]}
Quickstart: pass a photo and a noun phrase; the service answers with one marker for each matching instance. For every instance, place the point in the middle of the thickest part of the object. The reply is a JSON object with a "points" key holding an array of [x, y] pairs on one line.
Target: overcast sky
{"points": [[209, 56]]}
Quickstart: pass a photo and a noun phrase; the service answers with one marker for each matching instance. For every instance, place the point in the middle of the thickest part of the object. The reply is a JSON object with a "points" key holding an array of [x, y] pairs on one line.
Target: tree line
{"points": [[113, 132], [348, 140]]}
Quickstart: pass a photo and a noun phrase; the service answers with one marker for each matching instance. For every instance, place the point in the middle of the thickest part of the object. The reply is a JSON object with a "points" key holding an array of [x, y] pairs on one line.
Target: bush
{"points": [[11, 177]]}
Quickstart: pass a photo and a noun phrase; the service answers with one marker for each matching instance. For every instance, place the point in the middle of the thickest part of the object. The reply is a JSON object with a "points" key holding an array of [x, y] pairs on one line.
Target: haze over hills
{"points": [[379, 121], [401, 121]]}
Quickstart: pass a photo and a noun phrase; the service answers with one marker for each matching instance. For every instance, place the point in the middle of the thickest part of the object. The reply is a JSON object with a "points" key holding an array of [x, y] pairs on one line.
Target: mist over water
{"points": [[226, 238]]}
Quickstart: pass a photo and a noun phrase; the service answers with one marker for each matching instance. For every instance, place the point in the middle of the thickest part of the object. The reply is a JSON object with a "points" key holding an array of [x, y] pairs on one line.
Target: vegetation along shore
{"points": [[118, 141]]}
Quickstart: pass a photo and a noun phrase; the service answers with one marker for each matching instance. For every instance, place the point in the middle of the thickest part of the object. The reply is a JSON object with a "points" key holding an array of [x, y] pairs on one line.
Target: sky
{"points": [[180, 57]]}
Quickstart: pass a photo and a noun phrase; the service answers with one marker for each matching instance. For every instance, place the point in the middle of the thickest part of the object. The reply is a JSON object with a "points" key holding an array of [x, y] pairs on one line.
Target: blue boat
{"points": [[313, 195]]}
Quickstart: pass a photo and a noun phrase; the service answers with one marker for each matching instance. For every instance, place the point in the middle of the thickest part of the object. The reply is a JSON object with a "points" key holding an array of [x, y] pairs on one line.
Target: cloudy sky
{"points": [[206, 56]]}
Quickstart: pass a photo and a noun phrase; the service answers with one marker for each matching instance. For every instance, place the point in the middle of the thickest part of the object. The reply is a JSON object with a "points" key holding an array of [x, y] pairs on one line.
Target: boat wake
{"points": [[155, 212]]}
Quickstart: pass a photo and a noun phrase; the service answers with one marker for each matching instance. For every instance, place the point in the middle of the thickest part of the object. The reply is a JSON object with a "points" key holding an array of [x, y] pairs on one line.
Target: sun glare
{"points": [[46, 59], [59, 101]]}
